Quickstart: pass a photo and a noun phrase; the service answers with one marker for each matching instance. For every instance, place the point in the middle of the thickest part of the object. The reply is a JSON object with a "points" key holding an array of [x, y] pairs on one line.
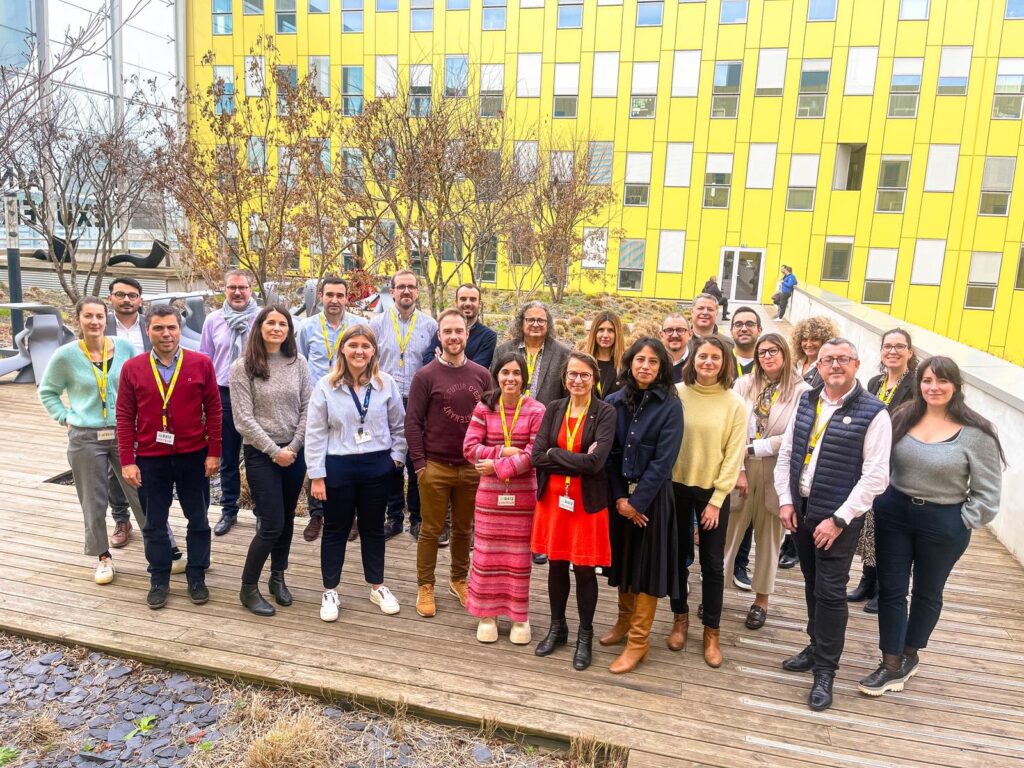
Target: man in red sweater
{"points": [[168, 432], [442, 397]]}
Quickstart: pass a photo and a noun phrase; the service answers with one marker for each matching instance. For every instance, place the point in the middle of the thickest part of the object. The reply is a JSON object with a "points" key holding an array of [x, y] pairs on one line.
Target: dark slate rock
{"points": [[356, 726], [5, 655], [33, 669], [119, 731], [60, 685], [51, 658], [118, 672], [482, 754]]}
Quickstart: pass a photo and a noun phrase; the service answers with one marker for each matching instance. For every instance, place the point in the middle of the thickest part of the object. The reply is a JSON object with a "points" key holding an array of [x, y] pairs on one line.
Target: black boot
{"points": [[871, 606], [253, 600], [557, 635], [279, 589], [584, 649], [867, 588]]}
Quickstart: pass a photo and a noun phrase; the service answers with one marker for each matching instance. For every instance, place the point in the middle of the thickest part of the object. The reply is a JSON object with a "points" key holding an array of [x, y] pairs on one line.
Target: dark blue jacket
{"points": [[479, 347], [789, 283], [646, 446]]}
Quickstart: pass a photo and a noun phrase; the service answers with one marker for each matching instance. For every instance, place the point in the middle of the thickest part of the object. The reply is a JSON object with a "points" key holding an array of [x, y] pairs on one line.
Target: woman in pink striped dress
{"points": [[498, 442]]}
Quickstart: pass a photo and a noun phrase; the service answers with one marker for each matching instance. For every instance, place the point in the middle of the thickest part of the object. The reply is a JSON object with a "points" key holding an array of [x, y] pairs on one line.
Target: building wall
{"points": [[922, 255]]}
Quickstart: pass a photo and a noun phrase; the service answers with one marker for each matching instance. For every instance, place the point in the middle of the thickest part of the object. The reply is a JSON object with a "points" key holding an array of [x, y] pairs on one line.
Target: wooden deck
{"points": [[963, 709]]}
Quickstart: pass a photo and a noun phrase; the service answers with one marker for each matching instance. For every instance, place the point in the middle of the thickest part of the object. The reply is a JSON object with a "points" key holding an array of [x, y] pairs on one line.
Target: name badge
{"points": [[506, 500], [567, 503], [104, 434], [167, 438], [363, 436]]}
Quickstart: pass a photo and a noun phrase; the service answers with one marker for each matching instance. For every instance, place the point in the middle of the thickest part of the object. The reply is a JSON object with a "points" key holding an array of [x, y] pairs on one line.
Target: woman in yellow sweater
{"points": [[704, 475]]}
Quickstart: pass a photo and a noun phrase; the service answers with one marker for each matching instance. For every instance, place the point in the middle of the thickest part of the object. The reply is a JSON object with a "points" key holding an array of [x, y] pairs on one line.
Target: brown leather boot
{"points": [[638, 639], [615, 635], [712, 653], [677, 637]]}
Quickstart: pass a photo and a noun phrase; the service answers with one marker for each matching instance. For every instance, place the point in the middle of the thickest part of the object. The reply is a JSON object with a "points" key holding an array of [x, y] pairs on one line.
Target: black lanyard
{"points": [[365, 407]]}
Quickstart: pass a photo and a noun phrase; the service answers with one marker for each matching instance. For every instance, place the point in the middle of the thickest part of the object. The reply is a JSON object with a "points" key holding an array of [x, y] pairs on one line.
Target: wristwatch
{"points": [[839, 522], [750, 450]]}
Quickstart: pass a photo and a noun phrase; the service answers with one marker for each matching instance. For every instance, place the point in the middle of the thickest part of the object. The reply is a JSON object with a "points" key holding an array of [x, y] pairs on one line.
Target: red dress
{"points": [[576, 536]]}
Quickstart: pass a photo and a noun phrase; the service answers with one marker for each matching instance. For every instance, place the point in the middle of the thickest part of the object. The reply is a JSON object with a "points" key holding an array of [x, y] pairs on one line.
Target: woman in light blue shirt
{"points": [[355, 438]]}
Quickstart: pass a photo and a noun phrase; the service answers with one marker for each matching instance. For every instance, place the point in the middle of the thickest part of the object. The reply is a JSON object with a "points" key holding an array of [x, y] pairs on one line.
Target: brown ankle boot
{"points": [[615, 635], [712, 653], [677, 637], [638, 639]]}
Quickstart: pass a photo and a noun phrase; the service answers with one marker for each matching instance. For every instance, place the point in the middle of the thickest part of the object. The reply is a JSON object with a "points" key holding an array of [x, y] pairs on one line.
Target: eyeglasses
{"points": [[406, 287], [842, 360], [768, 353], [535, 321], [895, 347], [745, 324], [576, 376], [675, 331], [123, 295], [237, 288]]}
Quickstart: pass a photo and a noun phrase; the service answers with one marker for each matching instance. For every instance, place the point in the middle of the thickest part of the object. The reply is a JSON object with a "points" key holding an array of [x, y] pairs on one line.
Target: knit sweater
{"points": [[714, 439], [271, 412], [441, 403], [70, 371]]}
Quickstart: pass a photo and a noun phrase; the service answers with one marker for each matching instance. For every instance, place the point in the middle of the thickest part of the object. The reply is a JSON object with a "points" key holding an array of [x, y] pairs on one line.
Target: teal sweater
{"points": [[71, 372]]}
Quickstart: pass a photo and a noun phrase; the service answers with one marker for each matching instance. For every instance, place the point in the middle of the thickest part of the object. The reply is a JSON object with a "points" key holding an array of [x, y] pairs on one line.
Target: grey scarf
{"points": [[239, 321]]}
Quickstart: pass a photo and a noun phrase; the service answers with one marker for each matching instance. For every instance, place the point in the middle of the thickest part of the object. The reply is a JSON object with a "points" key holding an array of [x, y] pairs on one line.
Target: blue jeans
{"points": [[230, 458], [743, 553]]}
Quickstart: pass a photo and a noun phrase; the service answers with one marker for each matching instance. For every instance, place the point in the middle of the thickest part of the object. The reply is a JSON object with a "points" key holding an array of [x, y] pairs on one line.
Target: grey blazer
{"points": [[112, 329], [549, 369]]}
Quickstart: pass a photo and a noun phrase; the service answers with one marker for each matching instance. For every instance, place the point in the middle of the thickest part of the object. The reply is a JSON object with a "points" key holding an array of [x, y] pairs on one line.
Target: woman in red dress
{"points": [[570, 524]]}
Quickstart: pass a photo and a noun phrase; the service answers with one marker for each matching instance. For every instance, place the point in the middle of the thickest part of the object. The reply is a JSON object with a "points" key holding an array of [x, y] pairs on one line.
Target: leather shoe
{"points": [[820, 697], [313, 528], [251, 598], [871, 606], [539, 559], [223, 525], [279, 589], [157, 597], [756, 617], [788, 561], [558, 634], [122, 532], [198, 593], [392, 527], [802, 662], [584, 649]]}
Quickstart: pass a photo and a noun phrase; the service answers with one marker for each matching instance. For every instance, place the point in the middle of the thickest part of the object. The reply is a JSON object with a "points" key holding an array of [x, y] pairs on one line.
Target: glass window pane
{"points": [[727, 77], [649, 14], [733, 12], [821, 10]]}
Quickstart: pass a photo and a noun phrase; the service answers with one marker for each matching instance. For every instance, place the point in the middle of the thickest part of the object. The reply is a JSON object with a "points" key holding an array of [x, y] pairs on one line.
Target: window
{"points": [[733, 12], [1015, 9], [649, 13], [322, 147], [255, 76], [1018, 284], [286, 79], [528, 76], [351, 15], [387, 6], [671, 247], [878, 279], [318, 6], [384, 239], [252, 7], [492, 90], [456, 77], [570, 14], [631, 264], [717, 181], [524, 159], [725, 91], [386, 76], [595, 247], [531, 3], [803, 180], [451, 246], [821, 10], [285, 16], [913, 10], [421, 17], [606, 74], [814, 74], [351, 91], [928, 258], [892, 184], [678, 164], [954, 71], [860, 71], [643, 96], [940, 174], [567, 89], [836, 263], [384, 160], [638, 179], [224, 90], [761, 166], [419, 251], [419, 90], [850, 166], [771, 72], [562, 166], [996, 184], [905, 87], [486, 256], [685, 73], [494, 15], [1008, 100], [222, 17], [352, 171], [256, 154], [599, 163], [287, 166], [982, 280], [319, 68]]}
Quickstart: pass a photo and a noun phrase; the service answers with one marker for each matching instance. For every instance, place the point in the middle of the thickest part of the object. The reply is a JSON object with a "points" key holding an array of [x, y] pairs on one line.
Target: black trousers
{"points": [[161, 475], [691, 501], [275, 492], [826, 574], [230, 459], [357, 487], [400, 499]]}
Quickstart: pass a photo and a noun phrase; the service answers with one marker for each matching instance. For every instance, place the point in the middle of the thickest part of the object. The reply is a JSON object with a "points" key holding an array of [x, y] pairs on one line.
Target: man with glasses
{"points": [[676, 335], [482, 340], [404, 334], [223, 339], [745, 329], [125, 320], [833, 461], [533, 336]]}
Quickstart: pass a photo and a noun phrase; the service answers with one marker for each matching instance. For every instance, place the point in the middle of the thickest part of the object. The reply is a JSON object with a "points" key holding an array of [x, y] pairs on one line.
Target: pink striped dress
{"points": [[499, 578]]}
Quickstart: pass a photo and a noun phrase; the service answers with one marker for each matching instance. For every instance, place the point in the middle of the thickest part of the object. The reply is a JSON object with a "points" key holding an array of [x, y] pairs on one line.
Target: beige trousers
{"points": [[762, 508]]}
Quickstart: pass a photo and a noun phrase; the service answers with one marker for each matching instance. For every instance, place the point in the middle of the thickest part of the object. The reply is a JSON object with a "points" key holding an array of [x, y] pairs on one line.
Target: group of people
{"points": [[609, 461]]}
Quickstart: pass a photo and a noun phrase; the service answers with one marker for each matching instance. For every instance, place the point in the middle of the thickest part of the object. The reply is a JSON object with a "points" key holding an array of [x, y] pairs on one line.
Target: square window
{"points": [[387, 6], [636, 195], [877, 292], [494, 18], [642, 106], [733, 12], [800, 199], [421, 17], [914, 10], [252, 7], [565, 106], [648, 13], [836, 263], [821, 10], [458, 5], [318, 6], [631, 280], [1015, 9], [570, 16]]}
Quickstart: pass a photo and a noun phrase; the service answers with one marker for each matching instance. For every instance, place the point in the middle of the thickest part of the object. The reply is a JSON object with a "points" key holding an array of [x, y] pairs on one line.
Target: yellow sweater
{"points": [[714, 438]]}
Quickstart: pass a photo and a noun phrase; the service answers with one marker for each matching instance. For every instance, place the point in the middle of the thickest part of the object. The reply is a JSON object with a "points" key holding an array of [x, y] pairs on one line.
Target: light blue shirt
{"points": [[421, 339], [311, 342]]}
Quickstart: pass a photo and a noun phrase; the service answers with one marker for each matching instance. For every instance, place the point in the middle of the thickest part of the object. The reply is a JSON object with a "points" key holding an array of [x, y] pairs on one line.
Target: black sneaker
{"points": [[741, 579], [198, 593], [802, 662], [446, 536], [224, 524], [882, 680], [157, 597], [414, 530], [392, 527], [539, 559]]}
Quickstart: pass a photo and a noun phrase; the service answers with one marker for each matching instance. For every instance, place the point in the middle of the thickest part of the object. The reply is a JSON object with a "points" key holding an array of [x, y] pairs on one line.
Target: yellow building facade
{"points": [[872, 145]]}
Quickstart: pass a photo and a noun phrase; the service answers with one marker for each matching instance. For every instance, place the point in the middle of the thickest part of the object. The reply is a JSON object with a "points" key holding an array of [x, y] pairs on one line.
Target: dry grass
{"points": [[39, 731], [295, 741], [585, 751]]}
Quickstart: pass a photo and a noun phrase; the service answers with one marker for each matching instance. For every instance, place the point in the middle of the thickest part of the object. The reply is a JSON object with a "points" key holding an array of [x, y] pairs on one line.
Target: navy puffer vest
{"points": [[840, 450]]}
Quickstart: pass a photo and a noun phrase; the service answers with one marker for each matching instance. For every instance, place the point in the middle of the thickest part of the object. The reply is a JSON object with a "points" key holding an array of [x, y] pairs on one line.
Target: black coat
{"points": [[904, 391]]}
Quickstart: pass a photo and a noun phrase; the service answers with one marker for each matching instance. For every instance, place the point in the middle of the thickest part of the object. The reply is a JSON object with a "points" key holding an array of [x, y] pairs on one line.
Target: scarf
{"points": [[763, 406], [239, 322]]}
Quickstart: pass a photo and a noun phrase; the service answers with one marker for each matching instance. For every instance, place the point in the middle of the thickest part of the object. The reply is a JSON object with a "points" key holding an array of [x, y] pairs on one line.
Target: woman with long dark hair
{"points": [[644, 539], [894, 386], [945, 479], [270, 387], [606, 343], [498, 442]]}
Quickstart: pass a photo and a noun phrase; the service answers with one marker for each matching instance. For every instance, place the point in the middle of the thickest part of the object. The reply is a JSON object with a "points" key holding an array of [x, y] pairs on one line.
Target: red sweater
{"points": [[441, 403], [193, 413]]}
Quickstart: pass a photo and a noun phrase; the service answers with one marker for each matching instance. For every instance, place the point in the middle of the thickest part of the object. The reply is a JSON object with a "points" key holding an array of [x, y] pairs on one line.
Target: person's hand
{"points": [[318, 489], [485, 466], [398, 464], [510, 451], [787, 514], [826, 533], [420, 471], [285, 457], [211, 465], [709, 517], [132, 475], [627, 510], [592, 448], [742, 486]]}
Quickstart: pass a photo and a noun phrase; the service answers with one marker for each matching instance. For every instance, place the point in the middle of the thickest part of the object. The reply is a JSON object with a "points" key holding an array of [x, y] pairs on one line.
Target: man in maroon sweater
{"points": [[168, 432], [442, 397]]}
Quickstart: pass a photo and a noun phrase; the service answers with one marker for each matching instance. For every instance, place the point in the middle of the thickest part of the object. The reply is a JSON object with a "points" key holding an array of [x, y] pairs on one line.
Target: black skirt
{"points": [[645, 560]]}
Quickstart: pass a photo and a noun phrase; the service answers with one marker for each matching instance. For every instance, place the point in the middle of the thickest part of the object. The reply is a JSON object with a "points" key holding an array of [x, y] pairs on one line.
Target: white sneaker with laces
{"points": [[382, 598], [329, 605], [105, 571]]}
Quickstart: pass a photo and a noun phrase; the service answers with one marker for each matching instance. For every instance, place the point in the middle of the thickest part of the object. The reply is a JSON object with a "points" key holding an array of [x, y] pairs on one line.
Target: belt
{"points": [[918, 502]]}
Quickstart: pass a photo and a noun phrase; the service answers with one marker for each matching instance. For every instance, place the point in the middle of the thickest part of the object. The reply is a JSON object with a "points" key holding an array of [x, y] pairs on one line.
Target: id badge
{"points": [[363, 436], [167, 438], [567, 503], [506, 499], [104, 434]]}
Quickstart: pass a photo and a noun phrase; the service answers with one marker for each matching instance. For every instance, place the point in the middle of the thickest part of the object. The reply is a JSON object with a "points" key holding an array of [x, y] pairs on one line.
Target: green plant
{"points": [[143, 726], [205, 745], [8, 755]]}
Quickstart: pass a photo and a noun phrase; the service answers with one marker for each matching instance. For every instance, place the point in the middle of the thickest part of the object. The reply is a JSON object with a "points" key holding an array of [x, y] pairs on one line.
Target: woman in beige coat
{"points": [[771, 393]]}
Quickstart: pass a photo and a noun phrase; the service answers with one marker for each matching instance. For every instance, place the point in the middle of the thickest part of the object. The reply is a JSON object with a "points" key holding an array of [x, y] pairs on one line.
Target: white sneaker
{"points": [[520, 634], [329, 605], [383, 598], [178, 566], [105, 571], [487, 630]]}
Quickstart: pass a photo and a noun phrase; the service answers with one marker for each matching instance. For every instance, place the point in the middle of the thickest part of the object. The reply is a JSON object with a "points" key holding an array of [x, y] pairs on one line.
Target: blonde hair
{"points": [[819, 327], [340, 373], [618, 348]]}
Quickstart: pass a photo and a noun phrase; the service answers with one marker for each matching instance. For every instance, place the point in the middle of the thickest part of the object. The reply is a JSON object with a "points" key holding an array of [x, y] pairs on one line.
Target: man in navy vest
{"points": [[833, 461]]}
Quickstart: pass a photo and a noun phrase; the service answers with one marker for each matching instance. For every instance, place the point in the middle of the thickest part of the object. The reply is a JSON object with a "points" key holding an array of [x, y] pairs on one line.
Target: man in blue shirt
{"points": [[786, 286], [482, 340]]}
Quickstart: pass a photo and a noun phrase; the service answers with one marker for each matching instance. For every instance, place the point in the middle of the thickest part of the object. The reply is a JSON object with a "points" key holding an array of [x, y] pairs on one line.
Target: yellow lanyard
{"points": [[505, 429], [531, 365], [570, 434], [101, 378], [332, 349], [775, 396], [886, 395], [816, 433], [166, 394], [403, 342]]}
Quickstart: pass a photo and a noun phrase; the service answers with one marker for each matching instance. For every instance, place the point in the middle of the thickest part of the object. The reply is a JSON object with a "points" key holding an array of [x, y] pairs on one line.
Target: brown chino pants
{"points": [[440, 484]]}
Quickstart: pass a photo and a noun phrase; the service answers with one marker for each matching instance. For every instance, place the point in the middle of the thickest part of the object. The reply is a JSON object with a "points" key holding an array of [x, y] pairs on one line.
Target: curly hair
{"points": [[818, 327], [515, 330]]}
